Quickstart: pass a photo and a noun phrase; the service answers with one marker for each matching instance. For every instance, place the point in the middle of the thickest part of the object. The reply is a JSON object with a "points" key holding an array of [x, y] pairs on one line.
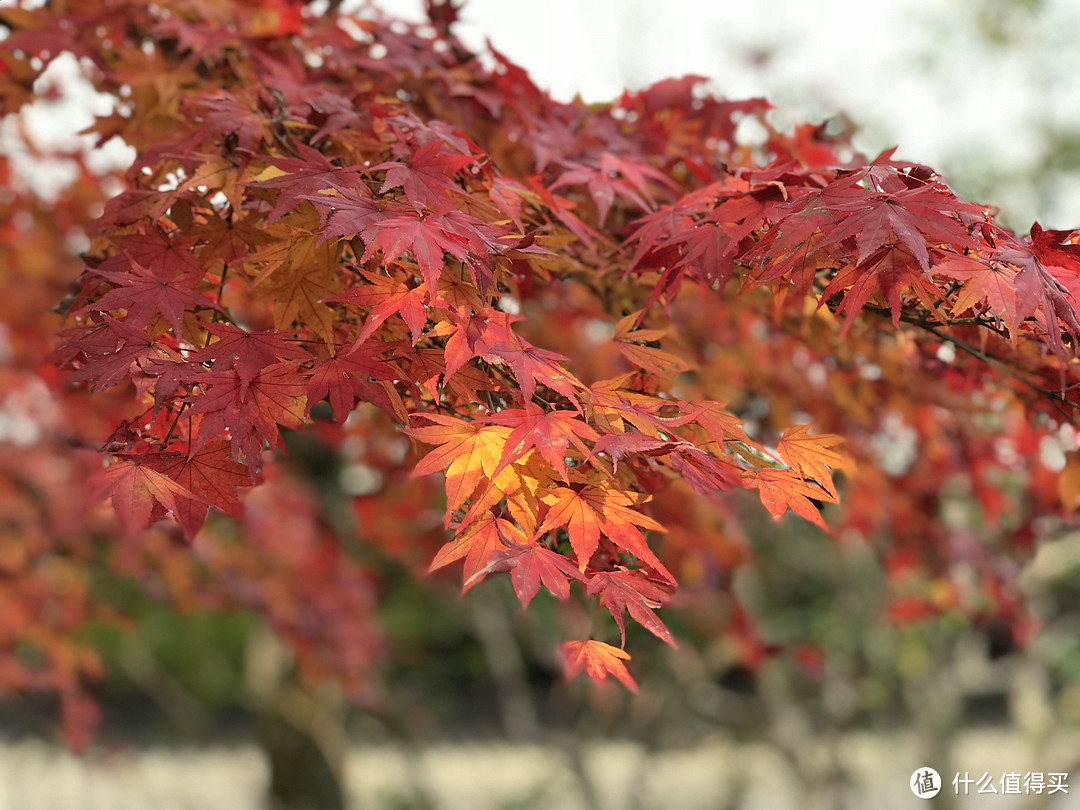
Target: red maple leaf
{"points": [[989, 283], [305, 177], [427, 178], [533, 366], [1039, 291], [529, 567], [103, 353], [144, 293], [248, 352], [141, 494], [208, 471], [624, 591], [249, 406], [227, 115], [350, 211], [926, 214], [341, 377], [613, 176], [1055, 248], [386, 296], [425, 236], [890, 272], [550, 432]]}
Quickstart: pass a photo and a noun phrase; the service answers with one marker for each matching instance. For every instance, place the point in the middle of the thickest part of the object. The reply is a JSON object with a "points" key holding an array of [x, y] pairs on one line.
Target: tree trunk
{"points": [[300, 730]]}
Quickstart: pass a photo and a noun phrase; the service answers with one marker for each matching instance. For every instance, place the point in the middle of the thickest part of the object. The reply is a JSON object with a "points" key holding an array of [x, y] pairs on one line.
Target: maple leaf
{"points": [[168, 373], [636, 346], [1037, 289], [986, 282], [250, 406], [629, 591], [872, 205], [604, 184], [782, 490], [139, 493], [103, 353], [619, 445], [710, 247], [427, 177], [509, 196], [706, 473], [155, 250], [137, 205], [425, 236], [487, 334], [785, 245], [299, 273], [226, 115], [476, 543], [529, 567], [915, 216], [550, 432], [1055, 249], [890, 271], [577, 513], [467, 451], [386, 296], [720, 425], [211, 473], [812, 455], [247, 352], [653, 232], [474, 333], [349, 212], [593, 510], [621, 528], [598, 660], [305, 178], [341, 377], [229, 239], [532, 366]]}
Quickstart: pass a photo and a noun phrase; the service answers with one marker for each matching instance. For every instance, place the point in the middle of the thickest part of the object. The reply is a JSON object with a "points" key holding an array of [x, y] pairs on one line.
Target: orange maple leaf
{"points": [[812, 455], [598, 660], [467, 452], [476, 544], [587, 512], [639, 346], [781, 490]]}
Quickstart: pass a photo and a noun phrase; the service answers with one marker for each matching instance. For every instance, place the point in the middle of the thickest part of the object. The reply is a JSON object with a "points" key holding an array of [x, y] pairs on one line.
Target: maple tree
{"points": [[596, 323]]}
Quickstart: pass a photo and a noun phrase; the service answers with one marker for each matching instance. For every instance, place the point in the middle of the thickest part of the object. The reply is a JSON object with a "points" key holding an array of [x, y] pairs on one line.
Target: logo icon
{"points": [[926, 783]]}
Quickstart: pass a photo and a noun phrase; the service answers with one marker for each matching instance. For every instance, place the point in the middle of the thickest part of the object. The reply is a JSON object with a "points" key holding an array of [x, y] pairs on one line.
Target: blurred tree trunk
{"points": [[300, 730]]}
